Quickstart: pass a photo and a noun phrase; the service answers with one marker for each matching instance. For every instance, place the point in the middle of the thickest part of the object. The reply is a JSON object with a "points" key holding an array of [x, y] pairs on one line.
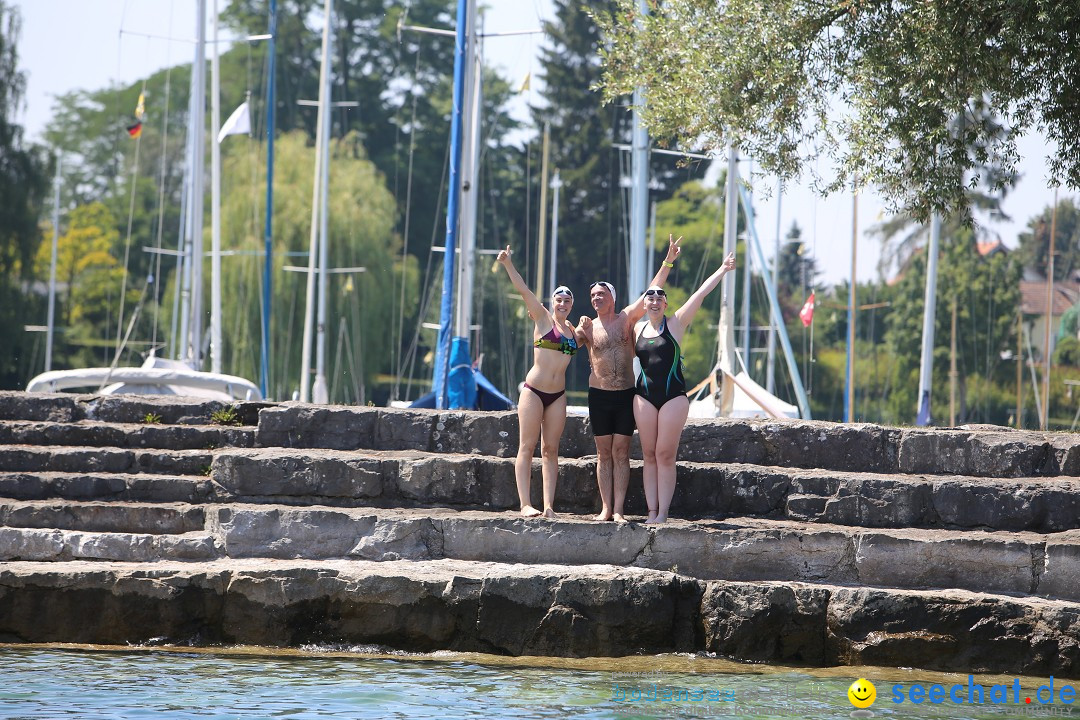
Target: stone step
{"points": [[751, 549], [125, 435], [133, 487], [982, 451], [155, 519], [172, 409], [31, 458], [52, 545], [743, 549], [582, 611], [869, 500], [410, 479]]}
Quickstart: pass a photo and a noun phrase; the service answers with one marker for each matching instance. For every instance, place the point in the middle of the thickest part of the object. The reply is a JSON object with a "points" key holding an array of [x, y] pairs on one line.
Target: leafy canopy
{"points": [[893, 92]]}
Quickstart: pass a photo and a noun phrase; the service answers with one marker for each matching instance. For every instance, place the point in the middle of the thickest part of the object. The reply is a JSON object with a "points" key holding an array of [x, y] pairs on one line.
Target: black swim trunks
{"points": [[611, 412]]}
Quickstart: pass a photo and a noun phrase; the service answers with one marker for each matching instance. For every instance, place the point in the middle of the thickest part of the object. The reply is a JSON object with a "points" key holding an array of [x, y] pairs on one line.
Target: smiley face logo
{"points": [[862, 693]]}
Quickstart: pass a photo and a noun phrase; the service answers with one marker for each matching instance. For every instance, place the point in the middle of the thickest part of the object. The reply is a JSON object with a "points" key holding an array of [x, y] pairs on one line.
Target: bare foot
{"points": [[529, 511], [602, 517], [619, 518], [658, 520], [550, 514], [652, 517]]}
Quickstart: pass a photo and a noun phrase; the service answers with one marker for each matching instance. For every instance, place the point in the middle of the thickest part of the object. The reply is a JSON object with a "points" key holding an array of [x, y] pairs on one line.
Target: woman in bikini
{"points": [[542, 405], [661, 405]]}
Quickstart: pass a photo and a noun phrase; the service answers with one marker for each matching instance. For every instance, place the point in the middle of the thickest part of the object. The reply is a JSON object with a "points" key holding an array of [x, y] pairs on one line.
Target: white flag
{"points": [[239, 123]]}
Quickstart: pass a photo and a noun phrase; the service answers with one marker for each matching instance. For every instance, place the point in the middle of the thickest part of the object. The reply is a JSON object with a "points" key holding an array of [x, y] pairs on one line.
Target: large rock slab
{"points": [[411, 479], [30, 458], [131, 487], [62, 546], [955, 631], [592, 610], [982, 451], [481, 607], [103, 517], [948, 631], [70, 407], [492, 434], [387, 479], [121, 435], [51, 407], [740, 549]]}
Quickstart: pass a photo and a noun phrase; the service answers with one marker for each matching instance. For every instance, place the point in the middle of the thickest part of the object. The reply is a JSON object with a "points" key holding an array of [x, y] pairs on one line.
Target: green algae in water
{"points": [[49, 683]]}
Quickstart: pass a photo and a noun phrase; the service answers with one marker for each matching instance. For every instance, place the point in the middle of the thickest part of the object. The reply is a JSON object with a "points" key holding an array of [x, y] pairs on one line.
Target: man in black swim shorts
{"points": [[611, 385]]}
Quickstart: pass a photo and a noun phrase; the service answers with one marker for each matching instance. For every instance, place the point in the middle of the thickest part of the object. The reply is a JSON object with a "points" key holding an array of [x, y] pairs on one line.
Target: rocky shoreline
{"points": [[803, 543]]}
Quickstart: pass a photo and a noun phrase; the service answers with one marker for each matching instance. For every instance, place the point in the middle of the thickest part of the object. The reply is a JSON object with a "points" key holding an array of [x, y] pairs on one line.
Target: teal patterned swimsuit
{"points": [[661, 376]]}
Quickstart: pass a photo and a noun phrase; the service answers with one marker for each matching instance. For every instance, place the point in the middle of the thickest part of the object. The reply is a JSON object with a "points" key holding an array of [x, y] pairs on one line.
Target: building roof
{"points": [[990, 247], [1033, 297]]}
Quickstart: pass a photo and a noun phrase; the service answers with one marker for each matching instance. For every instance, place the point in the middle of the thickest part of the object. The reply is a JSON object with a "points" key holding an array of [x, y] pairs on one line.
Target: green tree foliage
{"points": [[903, 233], [798, 272], [986, 293], [593, 221], [88, 278], [891, 91], [361, 226], [696, 213], [1067, 352], [403, 84], [1035, 242], [23, 182]]}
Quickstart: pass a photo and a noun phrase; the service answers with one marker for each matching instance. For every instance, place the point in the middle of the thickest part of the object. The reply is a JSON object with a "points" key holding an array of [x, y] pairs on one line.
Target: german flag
{"points": [[135, 130]]}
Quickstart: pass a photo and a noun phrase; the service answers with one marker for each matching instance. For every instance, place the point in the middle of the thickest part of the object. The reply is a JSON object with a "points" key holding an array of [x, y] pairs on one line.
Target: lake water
{"points": [[44, 683]]}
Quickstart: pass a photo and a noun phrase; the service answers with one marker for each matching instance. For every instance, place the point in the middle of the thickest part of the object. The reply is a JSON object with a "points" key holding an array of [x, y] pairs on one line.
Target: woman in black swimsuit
{"points": [[661, 405], [542, 405]]}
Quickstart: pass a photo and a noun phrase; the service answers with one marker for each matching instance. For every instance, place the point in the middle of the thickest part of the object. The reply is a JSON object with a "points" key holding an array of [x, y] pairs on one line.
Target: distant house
{"points": [[991, 248], [1033, 303]]}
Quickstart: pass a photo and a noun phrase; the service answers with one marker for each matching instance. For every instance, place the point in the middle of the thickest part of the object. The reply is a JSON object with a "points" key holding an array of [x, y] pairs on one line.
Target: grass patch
{"points": [[225, 416]]}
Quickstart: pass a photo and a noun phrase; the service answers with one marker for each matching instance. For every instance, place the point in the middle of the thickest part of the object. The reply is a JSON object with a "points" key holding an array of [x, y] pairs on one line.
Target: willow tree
{"points": [[877, 86], [22, 187], [361, 217]]}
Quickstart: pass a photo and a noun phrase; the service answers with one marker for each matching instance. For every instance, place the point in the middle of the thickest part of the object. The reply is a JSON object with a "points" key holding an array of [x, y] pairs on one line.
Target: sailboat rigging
{"points": [[159, 375], [456, 383]]}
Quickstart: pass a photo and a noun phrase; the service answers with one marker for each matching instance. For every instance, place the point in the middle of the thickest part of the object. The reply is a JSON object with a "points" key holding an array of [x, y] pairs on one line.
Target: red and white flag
{"points": [[807, 312]]}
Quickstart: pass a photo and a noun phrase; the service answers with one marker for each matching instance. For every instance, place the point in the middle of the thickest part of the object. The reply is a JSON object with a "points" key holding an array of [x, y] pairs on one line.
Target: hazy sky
{"points": [[90, 44]]}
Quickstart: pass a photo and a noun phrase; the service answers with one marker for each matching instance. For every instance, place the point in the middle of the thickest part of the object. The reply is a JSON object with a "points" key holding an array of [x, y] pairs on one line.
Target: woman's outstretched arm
{"points": [[532, 304], [686, 313], [636, 310]]}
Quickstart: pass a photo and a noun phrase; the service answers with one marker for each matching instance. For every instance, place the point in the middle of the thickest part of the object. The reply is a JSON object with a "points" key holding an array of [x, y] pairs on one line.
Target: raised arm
{"points": [[685, 314], [532, 304], [636, 311]]}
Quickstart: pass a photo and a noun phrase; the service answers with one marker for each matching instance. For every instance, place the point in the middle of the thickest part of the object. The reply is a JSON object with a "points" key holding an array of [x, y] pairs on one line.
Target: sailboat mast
{"points": [[466, 11], [215, 203], [556, 185], [770, 368], [313, 244], [926, 366], [753, 246], [49, 326], [320, 391], [726, 331], [470, 176], [182, 304], [198, 118], [849, 383], [268, 244]]}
